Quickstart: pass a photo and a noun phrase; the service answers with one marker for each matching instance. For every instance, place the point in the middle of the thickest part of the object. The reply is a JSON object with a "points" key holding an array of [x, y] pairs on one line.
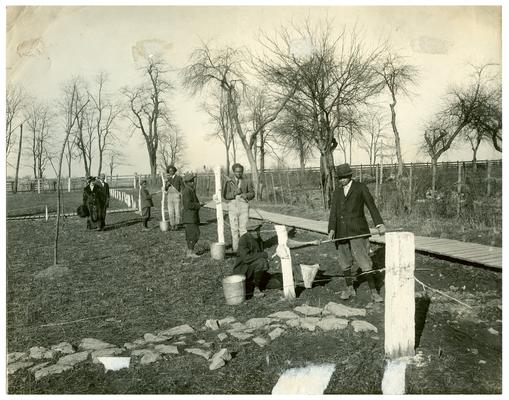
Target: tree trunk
{"points": [[397, 141], [153, 165], [433, 174], [99, 169], [302, 160], [19, 158], [227, 160]]}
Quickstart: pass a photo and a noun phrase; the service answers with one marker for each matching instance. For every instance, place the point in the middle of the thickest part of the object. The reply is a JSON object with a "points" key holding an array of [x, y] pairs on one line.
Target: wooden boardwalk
{"points": [[456, 250]]}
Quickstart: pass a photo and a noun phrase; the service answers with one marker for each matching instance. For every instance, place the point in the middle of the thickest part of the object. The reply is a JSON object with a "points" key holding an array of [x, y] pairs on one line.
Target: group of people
{"points": [[347, 227], [96, 200]]}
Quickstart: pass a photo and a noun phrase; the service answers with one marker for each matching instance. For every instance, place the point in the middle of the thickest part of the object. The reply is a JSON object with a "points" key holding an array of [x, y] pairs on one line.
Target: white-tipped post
{"points": [[286, 262], [139, 196], [69, 184], [399, 308], [47, 216], [219, 205], [39, 185]]}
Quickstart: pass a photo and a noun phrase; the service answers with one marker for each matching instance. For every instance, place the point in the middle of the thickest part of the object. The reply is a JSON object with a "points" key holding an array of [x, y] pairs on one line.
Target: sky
{"points": [[48, 45]]}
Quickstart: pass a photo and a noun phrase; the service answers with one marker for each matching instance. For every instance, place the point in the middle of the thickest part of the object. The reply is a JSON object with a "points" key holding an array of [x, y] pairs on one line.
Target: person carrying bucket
{"points": [[238, 192]]}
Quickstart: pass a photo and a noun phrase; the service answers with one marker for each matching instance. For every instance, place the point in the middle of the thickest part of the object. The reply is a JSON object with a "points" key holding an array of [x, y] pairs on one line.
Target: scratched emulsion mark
{"points": [[31, 48], [430, 45], [143, 48]]}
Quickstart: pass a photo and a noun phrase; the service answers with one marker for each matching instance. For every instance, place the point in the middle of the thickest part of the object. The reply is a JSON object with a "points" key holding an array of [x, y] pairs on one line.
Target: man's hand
{"points": [[381, 229], [331, 234]]}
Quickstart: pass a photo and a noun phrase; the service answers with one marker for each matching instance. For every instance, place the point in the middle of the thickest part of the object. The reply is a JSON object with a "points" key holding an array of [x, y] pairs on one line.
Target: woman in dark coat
{"points": [[94, 202]]}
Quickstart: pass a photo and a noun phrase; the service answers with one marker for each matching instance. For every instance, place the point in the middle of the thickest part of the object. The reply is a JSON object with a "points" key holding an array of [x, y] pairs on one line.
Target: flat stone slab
{"points": [[139, 342], [226, 321], [284, 315], [94, 344], [63, 348], [129, 346], [166, 349], [257, 323], [150, 338], [73, 359], [308, 310], [262, 342], [199, 352], [240, 335], [341, 310], [38, 353], [110, 352], [17, 365], [16, 356], [219, 359], [276, 333], [332, 324], [212, 324], [38, 366], [363, 326], [222, 336], [150, 357], [51, 370], [309, 323], [178, 330], [238, 326]]}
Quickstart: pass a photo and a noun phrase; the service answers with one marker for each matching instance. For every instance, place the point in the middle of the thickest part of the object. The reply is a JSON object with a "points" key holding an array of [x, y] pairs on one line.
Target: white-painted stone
{"points": [[219, 359], [114, 363], [51, 370], [16, 356], [262, 342], [308, 310], [226, 321], [150, 338], [257, 323], [212, 324], [216, 363], [240, 335], [309, 323], [312, 379], [94, 344], [284, 315], [73, 359], [332, 324], [109, 352], [178, 330], [199, 352], [363, 326], [39, 352], [276, 333], [63, 348], [166, 349], [17, 365], [341, 310]]}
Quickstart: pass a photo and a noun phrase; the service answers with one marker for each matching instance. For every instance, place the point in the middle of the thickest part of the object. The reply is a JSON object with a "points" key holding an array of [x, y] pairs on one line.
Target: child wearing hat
{"points": [[146, 204], [191, 214]]}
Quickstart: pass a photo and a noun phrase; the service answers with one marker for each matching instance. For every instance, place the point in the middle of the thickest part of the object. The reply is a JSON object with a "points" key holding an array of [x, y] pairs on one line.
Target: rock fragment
{"points": [[219, 359], [332, 324], [16, 356], [166, 349], [341, 310], [363, 326], [199, 352], [151, 338], [276, 333], [284, 315], [178, 330], [73, 359], [257, 323], [63, 347], [51, 370], [222, 336], [212, 324], [240, 335], [39, 352], [262, 342], [308, 310], [17, 365]]}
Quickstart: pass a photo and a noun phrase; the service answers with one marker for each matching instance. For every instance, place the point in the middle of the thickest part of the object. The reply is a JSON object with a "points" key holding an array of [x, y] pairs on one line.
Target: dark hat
{"points": [[171, 167], [253, 225], [189, 177], [90, 179], [344, 171]]}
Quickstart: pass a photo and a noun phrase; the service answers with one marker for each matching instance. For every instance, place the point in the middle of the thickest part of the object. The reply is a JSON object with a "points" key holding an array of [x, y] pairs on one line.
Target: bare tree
{"points": [[102, 116], [15, 99], [115, 159], [474, 138], [462, 106], [171, 148], [396, 77], [373, 128], [71, 108], [332, 79], [148, 107], [488, 118], [223, 69], [38, 122]]}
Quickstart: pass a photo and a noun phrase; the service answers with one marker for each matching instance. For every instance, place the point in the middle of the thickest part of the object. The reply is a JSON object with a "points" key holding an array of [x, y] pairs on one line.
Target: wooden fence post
{"points": [[286, 262], [458, 205], [273, 188], [219, 205], [399, 309], [488, 178]]}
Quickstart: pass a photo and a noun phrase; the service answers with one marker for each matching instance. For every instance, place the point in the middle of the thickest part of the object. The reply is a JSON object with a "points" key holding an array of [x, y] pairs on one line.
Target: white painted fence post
{"points": [[399, 308], [163, 197], [47, 216], [139, 196], [134, 180], [286, 262], [69, 184], [39, 185], [219, 206]]}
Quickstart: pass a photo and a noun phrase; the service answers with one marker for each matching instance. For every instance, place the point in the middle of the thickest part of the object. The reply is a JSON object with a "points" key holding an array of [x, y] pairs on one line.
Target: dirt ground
{"points": [[132, 282]]}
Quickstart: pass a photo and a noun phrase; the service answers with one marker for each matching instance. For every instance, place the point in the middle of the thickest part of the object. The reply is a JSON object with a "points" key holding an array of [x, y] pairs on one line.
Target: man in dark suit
{"points": [[93, 200], [347, 219], [191, 214], [106, 198]]}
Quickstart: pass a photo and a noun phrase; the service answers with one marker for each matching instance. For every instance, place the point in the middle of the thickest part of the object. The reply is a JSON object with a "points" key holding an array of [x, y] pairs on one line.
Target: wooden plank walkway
{"points": [[472, 253], [42, 216]]}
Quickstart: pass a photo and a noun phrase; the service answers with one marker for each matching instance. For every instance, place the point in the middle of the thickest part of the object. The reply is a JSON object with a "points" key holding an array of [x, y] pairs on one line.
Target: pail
{"points": [[164, 225], [234, 288], [308, 273], [217, 250]]}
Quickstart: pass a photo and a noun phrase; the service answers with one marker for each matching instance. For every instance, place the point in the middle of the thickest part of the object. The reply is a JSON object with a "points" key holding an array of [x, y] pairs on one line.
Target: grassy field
{"points": [[132, 282]]}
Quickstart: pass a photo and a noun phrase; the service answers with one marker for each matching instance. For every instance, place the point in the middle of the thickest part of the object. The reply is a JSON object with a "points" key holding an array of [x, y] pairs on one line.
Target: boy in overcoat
{"points": [[191, 214], [146, 204], [347, 219]]}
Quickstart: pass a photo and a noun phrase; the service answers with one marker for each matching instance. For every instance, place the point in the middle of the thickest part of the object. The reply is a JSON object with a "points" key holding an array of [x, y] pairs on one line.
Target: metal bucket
{"points": [[234, 288], [308, 273]]}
